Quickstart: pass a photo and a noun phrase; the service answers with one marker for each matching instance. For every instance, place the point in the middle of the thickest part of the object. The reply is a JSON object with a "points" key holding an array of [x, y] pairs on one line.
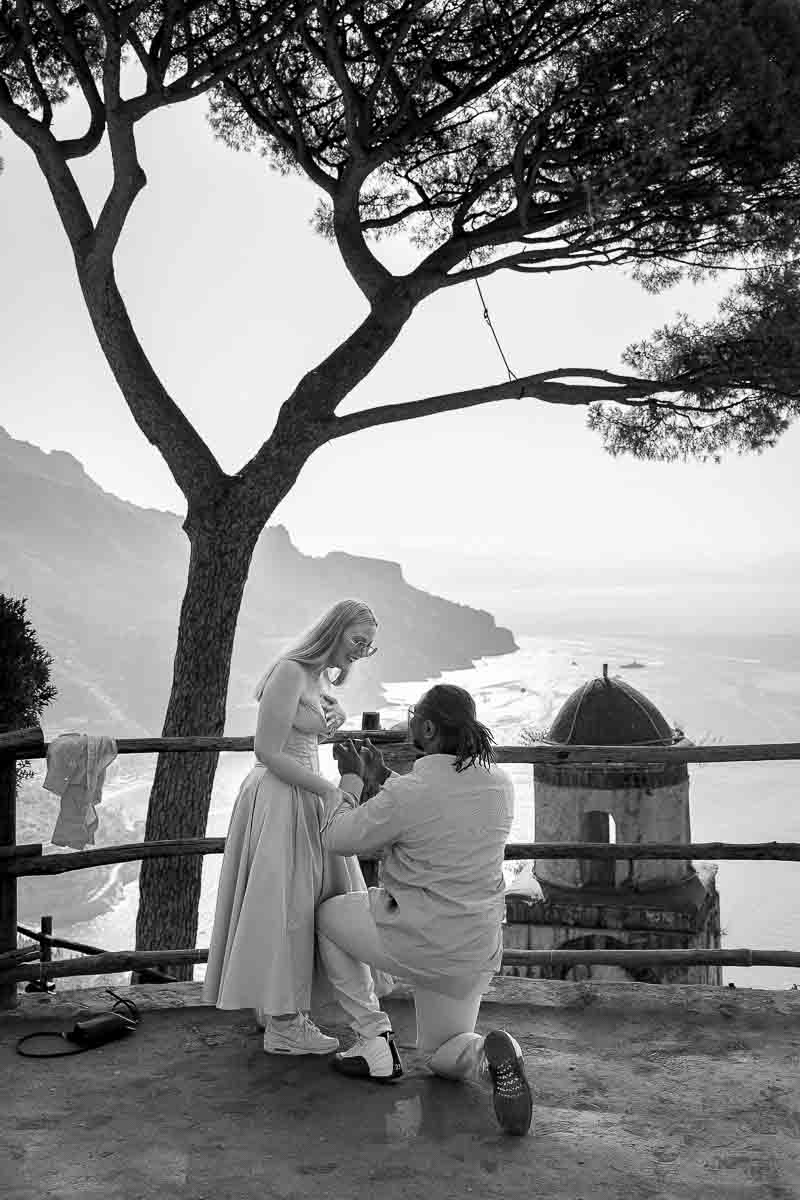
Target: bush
{"points": [[25, 687]]}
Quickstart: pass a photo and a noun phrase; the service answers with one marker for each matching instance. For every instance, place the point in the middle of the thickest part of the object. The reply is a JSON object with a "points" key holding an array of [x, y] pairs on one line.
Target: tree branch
{"points": [[129, 178], [367, 271], [79, 147], [501, 232], [352, 104], [193, 466], [162, 42], [402, 214], [306, 419], [68, 200], [296, 146], [386, 58], [541, 386], [38, 90], [130, 13], [542, 263], [155, 80], [201, 77], [611, 247]]}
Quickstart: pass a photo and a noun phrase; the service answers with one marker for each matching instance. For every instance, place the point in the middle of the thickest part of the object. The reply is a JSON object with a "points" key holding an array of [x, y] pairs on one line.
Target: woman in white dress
{"points": [[274, 871]]}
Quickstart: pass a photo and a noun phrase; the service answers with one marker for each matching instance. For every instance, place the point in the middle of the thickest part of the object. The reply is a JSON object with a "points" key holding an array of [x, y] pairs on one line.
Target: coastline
{"points": [[725, 693]]}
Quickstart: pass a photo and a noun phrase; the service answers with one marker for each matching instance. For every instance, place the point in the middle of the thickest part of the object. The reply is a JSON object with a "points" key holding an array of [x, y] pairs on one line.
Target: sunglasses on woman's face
{"points": [[362, 647]]}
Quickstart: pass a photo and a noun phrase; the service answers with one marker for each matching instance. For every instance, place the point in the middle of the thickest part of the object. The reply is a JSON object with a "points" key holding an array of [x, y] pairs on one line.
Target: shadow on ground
{"points": [[640, 1091]]}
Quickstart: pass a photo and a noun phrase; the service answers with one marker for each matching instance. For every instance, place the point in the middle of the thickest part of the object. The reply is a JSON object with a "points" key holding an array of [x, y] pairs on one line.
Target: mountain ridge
{"points": [[104, 580]]}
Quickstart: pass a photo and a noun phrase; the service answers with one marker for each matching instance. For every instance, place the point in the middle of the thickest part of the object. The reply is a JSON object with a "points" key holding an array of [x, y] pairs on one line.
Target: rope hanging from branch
{"points": [[487, 318]]}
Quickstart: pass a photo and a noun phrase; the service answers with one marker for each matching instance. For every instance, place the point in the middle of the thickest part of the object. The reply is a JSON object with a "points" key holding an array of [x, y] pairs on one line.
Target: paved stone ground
{"points": [[640, 1091]]}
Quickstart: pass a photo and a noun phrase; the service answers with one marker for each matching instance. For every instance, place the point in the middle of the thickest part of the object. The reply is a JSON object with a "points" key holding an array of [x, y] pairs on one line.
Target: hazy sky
{"points": [[234, 297]]}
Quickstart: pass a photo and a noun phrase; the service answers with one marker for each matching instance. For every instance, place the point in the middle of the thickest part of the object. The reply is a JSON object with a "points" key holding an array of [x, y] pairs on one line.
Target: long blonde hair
{"points": [[313, 647]]}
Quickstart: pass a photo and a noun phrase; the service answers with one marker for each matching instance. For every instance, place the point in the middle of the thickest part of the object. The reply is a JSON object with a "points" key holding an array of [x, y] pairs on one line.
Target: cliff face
{"points": [[104, 580]]}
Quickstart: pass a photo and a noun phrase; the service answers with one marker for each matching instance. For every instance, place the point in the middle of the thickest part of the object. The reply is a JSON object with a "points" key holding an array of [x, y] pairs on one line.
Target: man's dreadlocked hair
{"points": [[452, 711]]}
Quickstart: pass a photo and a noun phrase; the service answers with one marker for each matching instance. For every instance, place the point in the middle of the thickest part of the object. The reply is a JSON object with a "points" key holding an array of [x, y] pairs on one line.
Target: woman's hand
{"points": [[334, 796], [333, 712]]}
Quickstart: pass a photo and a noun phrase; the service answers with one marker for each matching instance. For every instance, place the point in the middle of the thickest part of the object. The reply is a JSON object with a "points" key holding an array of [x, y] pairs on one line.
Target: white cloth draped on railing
{"points": [[76, 771]]}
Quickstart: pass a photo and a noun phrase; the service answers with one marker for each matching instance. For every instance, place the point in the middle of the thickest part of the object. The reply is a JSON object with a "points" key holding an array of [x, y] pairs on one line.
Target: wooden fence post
{"points": [[46, 929], [8, 882], [45, 956]]}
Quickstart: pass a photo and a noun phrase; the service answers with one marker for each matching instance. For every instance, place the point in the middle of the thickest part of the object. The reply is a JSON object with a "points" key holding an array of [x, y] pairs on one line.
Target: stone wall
{"points": [[641, 814], [538, 925]]}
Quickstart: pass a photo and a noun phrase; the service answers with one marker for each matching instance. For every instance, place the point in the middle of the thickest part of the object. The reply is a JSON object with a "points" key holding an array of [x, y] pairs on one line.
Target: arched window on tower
{"points": [[598, 827]]}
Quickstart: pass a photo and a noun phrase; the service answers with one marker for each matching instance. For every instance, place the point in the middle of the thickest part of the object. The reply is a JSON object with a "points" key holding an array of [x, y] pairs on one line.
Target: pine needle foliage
{"points": [[25, 686]]}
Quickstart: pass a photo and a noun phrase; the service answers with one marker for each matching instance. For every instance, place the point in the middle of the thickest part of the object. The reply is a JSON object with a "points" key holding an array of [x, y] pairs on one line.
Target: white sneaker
{"points": [[298, 1036], [371, 1058]]}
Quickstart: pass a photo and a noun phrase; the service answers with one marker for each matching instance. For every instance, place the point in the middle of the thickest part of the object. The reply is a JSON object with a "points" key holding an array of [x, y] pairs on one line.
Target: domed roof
{"points": [[609, 712]]}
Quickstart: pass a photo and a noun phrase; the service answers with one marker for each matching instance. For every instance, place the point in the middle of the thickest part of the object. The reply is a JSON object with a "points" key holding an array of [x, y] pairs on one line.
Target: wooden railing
{"points": [[28, 860]]}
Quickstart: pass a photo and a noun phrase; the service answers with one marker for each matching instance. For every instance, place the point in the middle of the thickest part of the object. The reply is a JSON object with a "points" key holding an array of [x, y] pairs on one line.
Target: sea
{"points": [[716, 688]]}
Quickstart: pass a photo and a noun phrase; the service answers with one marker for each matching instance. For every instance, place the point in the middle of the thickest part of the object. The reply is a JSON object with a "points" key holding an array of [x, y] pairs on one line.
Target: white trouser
{"points": [[349, 942]]}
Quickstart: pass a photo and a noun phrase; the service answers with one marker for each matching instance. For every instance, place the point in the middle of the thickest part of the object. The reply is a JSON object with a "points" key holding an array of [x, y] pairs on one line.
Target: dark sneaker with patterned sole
{"points": [[513, 1104], [373, 1058]]}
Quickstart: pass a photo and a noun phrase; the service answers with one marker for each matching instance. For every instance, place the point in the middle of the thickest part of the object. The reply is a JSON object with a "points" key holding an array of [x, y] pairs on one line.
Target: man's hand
{"points": [[348, 759], [375, 768]]}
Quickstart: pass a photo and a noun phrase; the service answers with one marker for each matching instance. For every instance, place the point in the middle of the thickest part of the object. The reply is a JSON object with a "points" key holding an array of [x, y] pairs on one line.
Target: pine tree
{"points": [[25, 687], [657, 136]]}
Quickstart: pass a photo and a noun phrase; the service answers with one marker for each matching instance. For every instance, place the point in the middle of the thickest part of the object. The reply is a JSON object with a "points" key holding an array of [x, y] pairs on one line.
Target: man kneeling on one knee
{"points": [[437, 917]]}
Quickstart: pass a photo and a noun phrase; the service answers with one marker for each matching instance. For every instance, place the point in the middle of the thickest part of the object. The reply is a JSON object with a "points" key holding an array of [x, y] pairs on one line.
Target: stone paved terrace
{"points": [[640, 1091]]}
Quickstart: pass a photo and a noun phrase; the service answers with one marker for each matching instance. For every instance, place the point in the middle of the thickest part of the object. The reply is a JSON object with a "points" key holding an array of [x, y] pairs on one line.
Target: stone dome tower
{"points": [[629, 803], [596, 904]]}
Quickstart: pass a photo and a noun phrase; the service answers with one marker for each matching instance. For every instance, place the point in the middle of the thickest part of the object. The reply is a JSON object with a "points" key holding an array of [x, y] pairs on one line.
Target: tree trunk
{"points": [[169, 888]]}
